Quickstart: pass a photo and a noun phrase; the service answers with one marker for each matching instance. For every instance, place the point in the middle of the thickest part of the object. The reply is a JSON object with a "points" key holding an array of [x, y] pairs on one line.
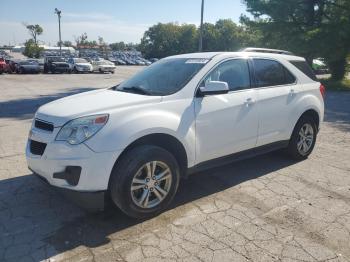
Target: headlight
{"points": [[79, 130]]}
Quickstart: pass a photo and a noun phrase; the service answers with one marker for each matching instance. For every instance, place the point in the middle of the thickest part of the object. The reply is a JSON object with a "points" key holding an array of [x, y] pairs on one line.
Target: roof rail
{"points": [[266, 50]]}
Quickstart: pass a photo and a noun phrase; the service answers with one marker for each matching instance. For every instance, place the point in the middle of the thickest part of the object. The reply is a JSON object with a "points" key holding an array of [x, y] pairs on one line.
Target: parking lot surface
{"points": [[268, 208]]}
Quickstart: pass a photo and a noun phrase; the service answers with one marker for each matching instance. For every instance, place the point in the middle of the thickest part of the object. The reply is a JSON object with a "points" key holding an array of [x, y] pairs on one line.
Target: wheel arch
{"points": [[165, 141], [312, 113]]}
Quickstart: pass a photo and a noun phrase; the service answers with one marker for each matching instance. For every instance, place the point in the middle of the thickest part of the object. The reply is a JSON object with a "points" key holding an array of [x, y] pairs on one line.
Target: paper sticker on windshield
{"points": [[197, 61]]}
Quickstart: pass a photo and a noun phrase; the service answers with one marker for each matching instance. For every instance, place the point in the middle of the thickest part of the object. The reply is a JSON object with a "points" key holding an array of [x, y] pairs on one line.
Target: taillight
{"points": [[323, 90]]}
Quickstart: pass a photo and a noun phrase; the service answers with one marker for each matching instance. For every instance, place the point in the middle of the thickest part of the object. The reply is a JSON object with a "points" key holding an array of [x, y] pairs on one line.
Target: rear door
{"points": [[276, 90]]}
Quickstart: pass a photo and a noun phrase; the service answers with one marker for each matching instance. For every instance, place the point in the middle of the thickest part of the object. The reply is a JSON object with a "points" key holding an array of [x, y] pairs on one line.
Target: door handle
{"points": [[249, 101], [292, 92]]}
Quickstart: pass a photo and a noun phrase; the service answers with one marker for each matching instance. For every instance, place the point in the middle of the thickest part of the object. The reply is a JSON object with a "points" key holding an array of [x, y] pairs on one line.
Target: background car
{"points": [[56, 64], [28, 66], [103, 66], [12, 65], [79, 65], [4, 67]]}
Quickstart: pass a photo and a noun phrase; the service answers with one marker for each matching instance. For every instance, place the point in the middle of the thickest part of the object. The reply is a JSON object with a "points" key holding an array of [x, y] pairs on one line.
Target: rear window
{"points": [[305, 68], [271, 73]]}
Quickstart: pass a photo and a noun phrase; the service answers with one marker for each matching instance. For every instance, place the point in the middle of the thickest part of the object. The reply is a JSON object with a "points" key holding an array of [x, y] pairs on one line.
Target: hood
{"points": [[60, 63], [82, 64], [100, 101], [30, 66]]}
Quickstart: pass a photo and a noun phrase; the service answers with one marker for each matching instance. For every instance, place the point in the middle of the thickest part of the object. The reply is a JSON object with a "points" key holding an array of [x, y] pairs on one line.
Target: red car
{"points": [[4, 67]]}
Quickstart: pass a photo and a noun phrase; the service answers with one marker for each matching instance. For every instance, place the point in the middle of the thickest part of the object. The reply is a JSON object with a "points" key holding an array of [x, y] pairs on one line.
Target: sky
{"points": [[114, 20]]}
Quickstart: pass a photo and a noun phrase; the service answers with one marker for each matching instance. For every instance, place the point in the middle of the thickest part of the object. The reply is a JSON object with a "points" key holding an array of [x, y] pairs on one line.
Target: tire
{"points": [[302, 152], [134, 165], [100, 71]]}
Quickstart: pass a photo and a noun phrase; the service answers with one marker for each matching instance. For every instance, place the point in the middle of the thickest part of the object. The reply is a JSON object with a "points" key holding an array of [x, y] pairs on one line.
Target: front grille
{"points": [[37, 148], [62, 66], [43, 125]]}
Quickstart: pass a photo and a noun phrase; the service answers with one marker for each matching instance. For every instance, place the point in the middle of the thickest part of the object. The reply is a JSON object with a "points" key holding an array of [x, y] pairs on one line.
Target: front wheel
{"points": [[303, 138], [145, 181]]}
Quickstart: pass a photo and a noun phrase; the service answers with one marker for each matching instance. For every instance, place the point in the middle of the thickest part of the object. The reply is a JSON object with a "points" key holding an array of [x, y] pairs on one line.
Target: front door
{"points": [[227, 123]]}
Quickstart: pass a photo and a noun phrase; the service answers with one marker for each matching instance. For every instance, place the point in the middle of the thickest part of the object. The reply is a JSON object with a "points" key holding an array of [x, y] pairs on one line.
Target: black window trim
{"points": [[275, 60], [250, 70], [313, 78]]}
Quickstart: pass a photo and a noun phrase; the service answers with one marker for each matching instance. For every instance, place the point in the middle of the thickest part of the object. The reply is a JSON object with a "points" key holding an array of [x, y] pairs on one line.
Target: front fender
{"points": [[124, 128]]}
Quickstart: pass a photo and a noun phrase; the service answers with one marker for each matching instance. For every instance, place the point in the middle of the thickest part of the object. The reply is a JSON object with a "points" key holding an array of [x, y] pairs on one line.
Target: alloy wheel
{"points": [[306, 139], [151, 184]]}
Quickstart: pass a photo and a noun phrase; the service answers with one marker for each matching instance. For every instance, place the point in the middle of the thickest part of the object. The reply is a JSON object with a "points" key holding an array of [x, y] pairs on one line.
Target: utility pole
{"points": [[201, 29], [58, 12]]}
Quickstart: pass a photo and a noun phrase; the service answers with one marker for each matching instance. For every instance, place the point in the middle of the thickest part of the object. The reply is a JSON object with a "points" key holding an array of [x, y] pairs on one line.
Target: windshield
{"points": [[163, 78], [28, 63], [56, 59], [80, 60]]}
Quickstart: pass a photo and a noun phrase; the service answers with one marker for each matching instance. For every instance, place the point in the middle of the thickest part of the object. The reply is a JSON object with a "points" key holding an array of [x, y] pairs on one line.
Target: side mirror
{"points": [[213, 88]]}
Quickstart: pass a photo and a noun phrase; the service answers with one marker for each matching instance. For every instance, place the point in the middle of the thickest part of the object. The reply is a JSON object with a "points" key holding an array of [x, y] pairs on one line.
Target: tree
{"points": [[31, 49], [81, 40], [118, 46], [161, 40], [66, 43], [169, 39], [311, 28], [34, 31]]}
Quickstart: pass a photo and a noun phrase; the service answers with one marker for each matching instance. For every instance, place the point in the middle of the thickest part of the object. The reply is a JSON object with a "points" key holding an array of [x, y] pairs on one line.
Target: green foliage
{"points": [[34, 31], [121, 46], [168, 39], [65, 43], [337, 85], [162, 40], [32, 50], [310, 28]]}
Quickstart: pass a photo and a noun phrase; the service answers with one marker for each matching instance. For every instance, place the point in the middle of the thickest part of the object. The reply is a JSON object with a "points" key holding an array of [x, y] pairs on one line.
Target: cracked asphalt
{"points": [[268, 208]]}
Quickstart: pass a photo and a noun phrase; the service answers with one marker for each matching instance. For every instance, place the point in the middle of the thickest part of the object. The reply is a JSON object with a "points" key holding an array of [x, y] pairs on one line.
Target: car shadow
{"points": [[33, 211], [23, 109]]}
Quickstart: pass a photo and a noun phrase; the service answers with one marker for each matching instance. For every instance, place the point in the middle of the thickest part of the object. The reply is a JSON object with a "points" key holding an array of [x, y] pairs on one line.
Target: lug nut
{"points": [[151, 189], [154, 178], [146, 187], [156, 183], [147, 179]]}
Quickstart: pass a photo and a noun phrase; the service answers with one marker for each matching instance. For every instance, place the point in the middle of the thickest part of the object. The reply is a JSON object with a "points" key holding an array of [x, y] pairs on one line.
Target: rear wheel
{"points": [[145, 181], [303, 138]]}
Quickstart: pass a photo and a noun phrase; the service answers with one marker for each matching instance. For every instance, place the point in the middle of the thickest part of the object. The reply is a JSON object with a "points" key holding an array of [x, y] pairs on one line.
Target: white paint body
{"points": [[103, 67], [80, 66], [208, 127]]}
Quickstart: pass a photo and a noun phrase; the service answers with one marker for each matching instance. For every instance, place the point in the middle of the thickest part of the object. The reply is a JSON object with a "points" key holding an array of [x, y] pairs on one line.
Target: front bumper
{"points": [[61, 69], [83, 69], [52, 164], [107, 69]]}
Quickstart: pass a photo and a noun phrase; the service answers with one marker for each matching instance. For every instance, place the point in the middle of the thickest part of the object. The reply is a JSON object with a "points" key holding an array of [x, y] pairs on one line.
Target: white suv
{"points": [[134, 141]]}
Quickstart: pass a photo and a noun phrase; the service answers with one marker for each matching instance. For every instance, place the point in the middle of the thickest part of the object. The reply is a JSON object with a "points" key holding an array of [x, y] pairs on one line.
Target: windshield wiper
{"points": [[135, 89]]}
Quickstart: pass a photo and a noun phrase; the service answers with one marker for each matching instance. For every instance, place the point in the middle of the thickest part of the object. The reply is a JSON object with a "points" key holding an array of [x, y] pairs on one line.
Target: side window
{"points": [[305, 68], [234, 72], [271, 73]]}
